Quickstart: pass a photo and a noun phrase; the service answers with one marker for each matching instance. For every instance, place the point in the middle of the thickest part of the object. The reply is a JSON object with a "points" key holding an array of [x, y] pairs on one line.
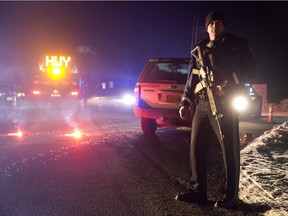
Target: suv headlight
{"points": [[240, 103]]}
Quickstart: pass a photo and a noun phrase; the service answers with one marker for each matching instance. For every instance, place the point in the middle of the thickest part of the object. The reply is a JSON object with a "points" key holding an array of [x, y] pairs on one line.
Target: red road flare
{"points": [[77, 134], [18, 134]]}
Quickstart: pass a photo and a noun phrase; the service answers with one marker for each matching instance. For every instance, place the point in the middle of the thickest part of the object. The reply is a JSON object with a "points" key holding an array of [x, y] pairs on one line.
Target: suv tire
{"points": [[148, 126]]}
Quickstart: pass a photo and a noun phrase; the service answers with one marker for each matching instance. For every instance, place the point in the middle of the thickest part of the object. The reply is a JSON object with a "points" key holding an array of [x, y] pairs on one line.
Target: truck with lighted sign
{"points": [[57, 79]]}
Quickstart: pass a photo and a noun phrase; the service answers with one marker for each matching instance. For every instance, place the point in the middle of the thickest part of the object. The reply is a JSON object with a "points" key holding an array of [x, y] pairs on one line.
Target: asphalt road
{"points": [[113, 169]]}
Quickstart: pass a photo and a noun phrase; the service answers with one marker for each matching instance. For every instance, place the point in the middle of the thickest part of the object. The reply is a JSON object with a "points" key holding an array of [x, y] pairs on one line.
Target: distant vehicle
{"points": [[107, 86], [6, 93], [10, 94], [113, 93], [158, 93], [56, 80]]}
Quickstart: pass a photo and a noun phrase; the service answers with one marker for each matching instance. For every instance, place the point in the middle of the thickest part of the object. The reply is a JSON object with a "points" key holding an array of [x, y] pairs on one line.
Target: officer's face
{"points": [[215, 29]]}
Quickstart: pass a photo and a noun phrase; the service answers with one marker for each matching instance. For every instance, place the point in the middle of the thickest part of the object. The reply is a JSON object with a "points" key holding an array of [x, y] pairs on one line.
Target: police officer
{"points": [[230, 59]]}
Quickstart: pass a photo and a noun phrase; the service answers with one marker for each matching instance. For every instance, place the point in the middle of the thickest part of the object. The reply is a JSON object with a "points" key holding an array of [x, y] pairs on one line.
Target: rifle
{"points": [[207, 81]]}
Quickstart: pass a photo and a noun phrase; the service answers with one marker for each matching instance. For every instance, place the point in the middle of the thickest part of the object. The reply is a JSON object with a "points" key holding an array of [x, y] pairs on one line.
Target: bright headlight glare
{"points": [[240, 103], [128, 99]]}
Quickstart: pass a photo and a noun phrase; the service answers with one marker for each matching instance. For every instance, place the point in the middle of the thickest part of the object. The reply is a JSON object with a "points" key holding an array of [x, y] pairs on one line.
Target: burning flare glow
{"points": [[18, 134], [77, 133]]}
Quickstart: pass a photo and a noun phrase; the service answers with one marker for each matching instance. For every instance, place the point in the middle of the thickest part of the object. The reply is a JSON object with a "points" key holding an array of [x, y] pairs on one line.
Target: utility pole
{"points": [[194, 32]]}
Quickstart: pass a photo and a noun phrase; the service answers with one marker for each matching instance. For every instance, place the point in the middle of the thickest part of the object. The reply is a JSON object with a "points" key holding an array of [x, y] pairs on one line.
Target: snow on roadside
{"points": [[264, 170]]}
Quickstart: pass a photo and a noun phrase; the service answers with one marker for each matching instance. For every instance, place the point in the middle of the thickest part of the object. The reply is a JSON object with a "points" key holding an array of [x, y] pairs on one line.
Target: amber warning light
{"points": [[56, 66]]}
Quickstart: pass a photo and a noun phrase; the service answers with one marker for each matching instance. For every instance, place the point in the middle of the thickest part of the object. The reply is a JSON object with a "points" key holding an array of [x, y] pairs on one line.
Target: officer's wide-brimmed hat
{"points": [[214, 15]]}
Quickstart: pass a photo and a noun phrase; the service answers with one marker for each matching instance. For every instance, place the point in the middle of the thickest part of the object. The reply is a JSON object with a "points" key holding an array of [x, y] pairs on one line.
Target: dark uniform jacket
{"points": [[227, 56]]}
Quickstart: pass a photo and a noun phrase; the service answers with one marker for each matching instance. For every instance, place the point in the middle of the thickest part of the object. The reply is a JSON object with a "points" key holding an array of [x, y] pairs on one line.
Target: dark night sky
{"points": [[117, 38]]}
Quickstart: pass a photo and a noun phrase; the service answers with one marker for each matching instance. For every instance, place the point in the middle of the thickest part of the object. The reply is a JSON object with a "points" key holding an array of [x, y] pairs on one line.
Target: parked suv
{"points": [[158, 93], [160, 88]]}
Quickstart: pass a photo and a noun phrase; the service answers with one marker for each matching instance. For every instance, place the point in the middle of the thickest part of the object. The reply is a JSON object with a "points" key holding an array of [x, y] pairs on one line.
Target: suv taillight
{"points": [[137, 90]]}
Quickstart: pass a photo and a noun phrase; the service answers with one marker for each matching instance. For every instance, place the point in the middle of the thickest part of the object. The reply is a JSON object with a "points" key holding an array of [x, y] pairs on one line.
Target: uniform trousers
{"points": [[204, 127]]}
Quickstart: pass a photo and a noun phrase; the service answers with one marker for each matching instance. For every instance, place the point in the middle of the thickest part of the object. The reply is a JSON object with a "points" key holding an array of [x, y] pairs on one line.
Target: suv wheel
{"points": [[148, 126]]}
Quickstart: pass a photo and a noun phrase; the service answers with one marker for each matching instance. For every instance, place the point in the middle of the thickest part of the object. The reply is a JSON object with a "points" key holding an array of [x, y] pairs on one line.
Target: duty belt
{"points": [[202, 95]]}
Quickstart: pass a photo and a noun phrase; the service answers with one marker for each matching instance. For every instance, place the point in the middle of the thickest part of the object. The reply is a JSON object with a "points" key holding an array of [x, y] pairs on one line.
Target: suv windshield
{"points": [[165, 72]]}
